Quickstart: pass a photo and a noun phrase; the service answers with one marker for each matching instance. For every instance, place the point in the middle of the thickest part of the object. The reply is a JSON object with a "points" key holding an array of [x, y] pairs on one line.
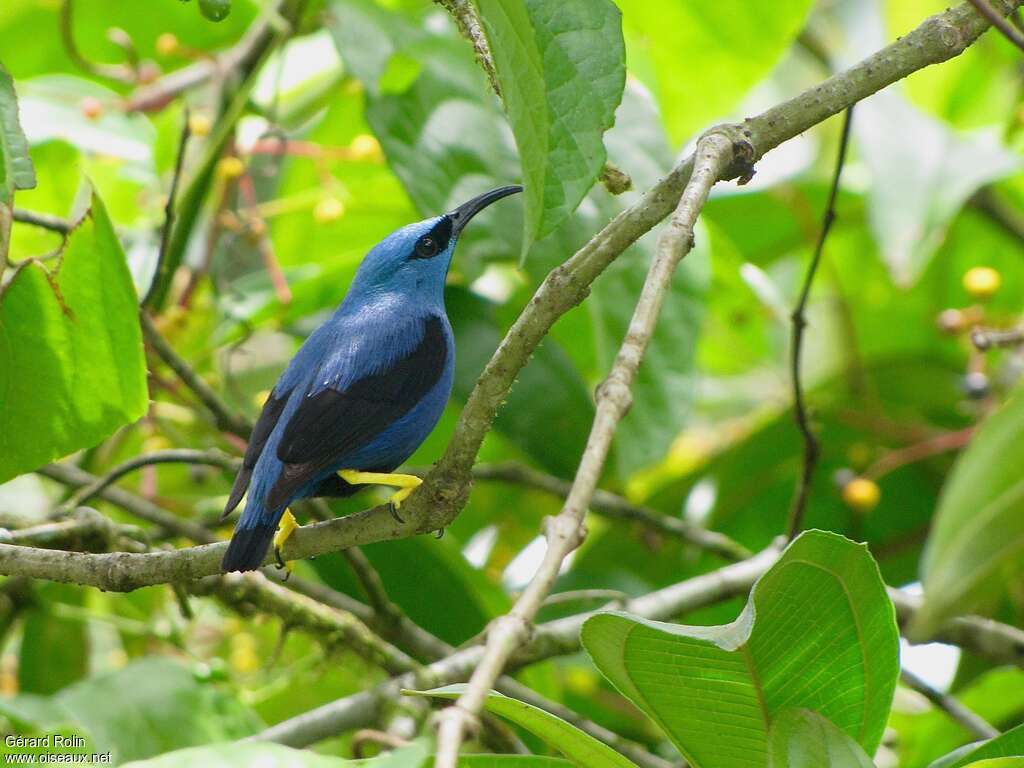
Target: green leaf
{"points": [[800, 738], [922, 174], [1009, 744], [818, 632], [1000, 762], [150, 706], [245, 755], [549, 411], [561, 67], [730, 45], [71, 362], [581, 748], [241, 756], [16, 171], [977, 538], [54, 650]]}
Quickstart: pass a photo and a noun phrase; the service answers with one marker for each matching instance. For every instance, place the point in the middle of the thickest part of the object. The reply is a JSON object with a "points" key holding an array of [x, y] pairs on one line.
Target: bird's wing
{"points": [[332, 423], [268, 418]]}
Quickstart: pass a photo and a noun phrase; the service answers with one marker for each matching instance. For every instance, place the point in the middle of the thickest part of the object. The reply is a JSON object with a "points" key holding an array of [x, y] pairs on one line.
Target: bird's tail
{"points": [[255, 529], [248, 547]]}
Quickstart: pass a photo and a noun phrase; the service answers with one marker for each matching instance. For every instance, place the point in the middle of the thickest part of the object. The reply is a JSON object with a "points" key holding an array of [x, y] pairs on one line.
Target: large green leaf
{"points": [[581, 748], [71, 363], [278, 756], [150, 706], [561, 67], [242, 755], [1009, 744], [818, 632], [800, 738], [702, 57], [977, 539], [16, 170]]}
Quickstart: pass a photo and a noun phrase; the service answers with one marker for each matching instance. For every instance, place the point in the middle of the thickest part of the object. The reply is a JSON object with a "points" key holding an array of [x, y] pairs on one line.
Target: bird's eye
{"points": [[426, 247]]}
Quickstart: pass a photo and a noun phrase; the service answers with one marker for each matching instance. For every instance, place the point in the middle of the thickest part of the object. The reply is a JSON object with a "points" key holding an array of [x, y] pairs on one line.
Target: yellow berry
{"points": [[328, 209], [230, 167], [200, 125], [167, 44], [243, 653], [982, 282], [365, 147], [861, 494], [91, 107]]}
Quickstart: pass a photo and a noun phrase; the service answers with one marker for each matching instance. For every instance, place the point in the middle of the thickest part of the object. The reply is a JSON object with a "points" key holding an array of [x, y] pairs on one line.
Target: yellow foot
{"points": [[284, 530], [406, 484]]}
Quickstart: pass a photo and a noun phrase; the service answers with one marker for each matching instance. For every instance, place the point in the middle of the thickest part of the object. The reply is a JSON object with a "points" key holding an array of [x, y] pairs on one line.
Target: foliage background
{"points": [[393, 120]]}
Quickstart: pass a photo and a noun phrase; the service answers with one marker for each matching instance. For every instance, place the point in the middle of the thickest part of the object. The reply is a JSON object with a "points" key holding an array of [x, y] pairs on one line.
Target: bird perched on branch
{"points": [[363, 391]]}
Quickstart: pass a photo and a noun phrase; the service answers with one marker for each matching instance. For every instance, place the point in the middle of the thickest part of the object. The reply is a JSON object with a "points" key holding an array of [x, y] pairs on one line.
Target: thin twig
{"points": [[932, 446], [811, 447], [226, 419], [565, 532], [172, 199], [468, 22], [984, 339], [998, 20], [70, 475], [613, 506], [240, 57], [972, 721], [44, 220], [174, 456], [116, 72]]}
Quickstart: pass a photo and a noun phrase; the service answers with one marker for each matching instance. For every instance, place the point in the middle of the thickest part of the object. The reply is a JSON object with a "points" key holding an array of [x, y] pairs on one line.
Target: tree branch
{"points": [[44, 221], [241, 56], [998, 642], [170, 523], [616, 507], [225, 418], [552, 639], [566, 531], [972, 721], [172, 456], [998, 20], [799, 318], [446, 488], [468, 22]]}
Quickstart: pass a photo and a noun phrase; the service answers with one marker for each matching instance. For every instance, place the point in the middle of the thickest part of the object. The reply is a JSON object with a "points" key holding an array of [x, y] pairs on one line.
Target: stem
{"points": [[811, 447]]}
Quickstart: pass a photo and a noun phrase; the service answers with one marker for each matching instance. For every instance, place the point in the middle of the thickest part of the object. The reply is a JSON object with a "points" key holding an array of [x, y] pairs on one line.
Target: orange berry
{"points": [[167, 44], [328, 209], [91, 107], [982, 282], [861, 494]]}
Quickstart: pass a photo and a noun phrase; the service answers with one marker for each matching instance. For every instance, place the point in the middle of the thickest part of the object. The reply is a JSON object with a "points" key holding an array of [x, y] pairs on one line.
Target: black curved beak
{"points": [[460, 216]]}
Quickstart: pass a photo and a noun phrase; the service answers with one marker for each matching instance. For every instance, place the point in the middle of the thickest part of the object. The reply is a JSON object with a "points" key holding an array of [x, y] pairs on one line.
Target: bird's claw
{"points": [[393, 509]]}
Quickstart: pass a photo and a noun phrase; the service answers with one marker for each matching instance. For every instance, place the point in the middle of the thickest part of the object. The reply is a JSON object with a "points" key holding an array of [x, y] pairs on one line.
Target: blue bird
{"points": [[362, 393]]}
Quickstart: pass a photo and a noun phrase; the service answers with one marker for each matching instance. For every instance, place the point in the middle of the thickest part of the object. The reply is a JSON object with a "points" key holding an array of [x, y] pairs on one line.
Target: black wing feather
{"points": [[332, 424], [264, 426]]}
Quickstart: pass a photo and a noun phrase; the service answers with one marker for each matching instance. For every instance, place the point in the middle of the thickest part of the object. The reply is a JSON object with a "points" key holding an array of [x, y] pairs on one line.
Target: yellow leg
{"points": [[284, 530], [406, 484]]}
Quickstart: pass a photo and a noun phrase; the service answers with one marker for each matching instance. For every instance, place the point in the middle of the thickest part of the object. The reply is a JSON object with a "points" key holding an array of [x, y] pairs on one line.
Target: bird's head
{"points": [[414, 260]]}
